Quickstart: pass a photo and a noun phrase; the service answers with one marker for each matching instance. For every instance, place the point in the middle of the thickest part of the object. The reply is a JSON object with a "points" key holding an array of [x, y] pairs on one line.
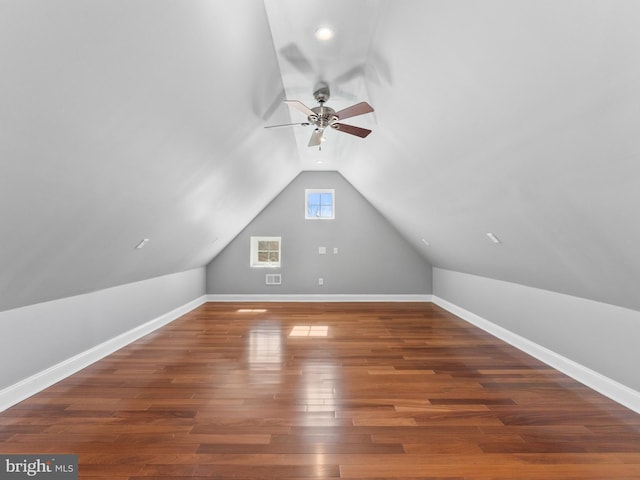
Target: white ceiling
{"points": [[123, 120]]}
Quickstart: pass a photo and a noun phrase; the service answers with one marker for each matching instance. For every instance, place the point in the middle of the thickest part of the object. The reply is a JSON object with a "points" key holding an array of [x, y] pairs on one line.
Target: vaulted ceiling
{"points": [[123, 120]]}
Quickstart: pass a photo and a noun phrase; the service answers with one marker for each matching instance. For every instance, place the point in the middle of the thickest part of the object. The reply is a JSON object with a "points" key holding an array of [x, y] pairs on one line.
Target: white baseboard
{"points": [[604, 385], [41, 380], [319, 298]]}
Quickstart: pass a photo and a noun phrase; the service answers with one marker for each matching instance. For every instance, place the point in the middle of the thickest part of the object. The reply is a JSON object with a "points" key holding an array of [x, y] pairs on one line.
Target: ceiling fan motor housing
{"points": [[324, 116]]}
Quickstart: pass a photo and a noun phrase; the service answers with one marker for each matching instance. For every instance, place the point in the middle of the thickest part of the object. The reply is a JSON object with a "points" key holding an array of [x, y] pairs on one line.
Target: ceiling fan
{"points": [[322, 117]]}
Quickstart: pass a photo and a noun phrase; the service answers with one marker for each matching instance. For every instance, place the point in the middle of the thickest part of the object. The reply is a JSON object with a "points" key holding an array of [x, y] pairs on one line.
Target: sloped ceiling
{"points": [[124, 120]]}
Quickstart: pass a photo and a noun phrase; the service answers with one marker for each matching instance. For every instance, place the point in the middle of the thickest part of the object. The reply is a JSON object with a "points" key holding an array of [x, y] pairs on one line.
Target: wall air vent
{"points": [[273, 279]]}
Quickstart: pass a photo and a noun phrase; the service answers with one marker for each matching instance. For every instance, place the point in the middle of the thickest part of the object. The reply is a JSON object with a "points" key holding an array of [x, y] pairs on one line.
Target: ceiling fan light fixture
{"points": [[324, 33]]}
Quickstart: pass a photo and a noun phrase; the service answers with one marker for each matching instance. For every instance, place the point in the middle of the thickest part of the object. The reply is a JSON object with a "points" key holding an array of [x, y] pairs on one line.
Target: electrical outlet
{"points": [[335, 250], [322, 250], [320, 281]]}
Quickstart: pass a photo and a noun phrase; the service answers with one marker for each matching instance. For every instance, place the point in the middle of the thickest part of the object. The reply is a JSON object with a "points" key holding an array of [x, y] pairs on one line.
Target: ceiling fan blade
{"points": [[300, 106], [354, 110], [316, 138], [287, 125], [357, 131], [295, 57], [275, 103]]}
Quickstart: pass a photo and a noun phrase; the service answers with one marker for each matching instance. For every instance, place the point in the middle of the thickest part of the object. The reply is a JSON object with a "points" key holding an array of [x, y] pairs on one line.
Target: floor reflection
{"points": [[265, 345], [265, 354], [309, 331], [318, 387]]}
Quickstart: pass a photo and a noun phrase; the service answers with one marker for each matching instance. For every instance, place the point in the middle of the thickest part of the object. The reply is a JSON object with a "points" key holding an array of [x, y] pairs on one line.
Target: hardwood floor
{"points": [[394, 391]]}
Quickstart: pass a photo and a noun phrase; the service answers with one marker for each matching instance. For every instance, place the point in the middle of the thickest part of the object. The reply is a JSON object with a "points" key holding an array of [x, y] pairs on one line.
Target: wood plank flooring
{"points": [[394, 391]]}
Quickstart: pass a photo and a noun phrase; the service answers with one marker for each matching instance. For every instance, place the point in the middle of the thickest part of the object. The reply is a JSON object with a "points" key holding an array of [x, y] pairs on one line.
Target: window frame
{"points": [[254, 261], [309, 191]]}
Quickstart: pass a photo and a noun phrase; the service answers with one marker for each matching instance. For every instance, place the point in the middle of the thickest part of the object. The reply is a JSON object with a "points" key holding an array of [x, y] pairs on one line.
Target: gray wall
{"points": [[36, 337], [600, 336], [373, 258]]}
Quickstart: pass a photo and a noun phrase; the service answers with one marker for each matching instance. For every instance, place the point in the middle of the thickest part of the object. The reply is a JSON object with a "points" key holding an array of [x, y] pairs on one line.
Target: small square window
{"points": [[265, 252], [319, 204]]}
